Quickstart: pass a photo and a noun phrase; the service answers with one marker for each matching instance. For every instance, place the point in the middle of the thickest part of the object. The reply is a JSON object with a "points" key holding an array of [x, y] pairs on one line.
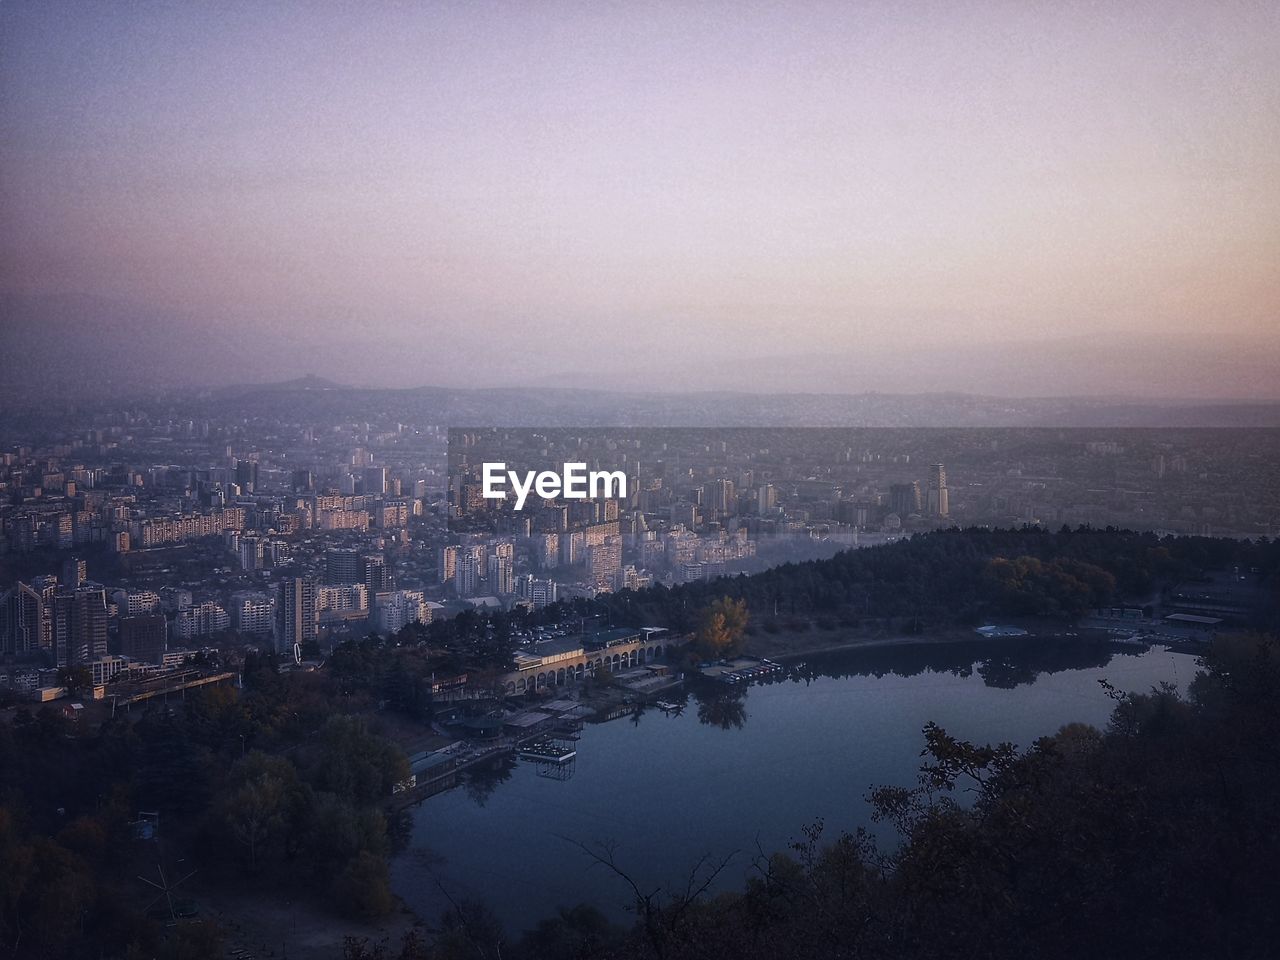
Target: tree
{"points": [[255, 814], [356, 764], [721, 628], [363, 889], [576, 932], [75, 678], [263, 802]]}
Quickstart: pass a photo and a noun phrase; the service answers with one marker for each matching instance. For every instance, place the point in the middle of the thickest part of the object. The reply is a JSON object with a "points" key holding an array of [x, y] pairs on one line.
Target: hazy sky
{"points": [[469, 192]]}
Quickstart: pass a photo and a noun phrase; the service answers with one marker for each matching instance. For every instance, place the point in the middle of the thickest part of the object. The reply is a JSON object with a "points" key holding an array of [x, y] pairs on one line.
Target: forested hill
{"points": [[964, 576]]}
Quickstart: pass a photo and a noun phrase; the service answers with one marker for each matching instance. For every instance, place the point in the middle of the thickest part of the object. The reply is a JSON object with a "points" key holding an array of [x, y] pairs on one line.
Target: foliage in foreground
{"points": [[272, 788]]}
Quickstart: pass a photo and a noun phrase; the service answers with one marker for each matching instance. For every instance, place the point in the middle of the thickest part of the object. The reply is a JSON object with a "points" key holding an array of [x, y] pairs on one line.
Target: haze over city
{"points": [[564, 480], [1005, 199]]}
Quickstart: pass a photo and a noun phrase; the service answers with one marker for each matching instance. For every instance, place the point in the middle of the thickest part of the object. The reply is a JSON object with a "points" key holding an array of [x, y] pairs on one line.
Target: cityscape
{"points": [[639, 482], [284, 541], [151, 556]]}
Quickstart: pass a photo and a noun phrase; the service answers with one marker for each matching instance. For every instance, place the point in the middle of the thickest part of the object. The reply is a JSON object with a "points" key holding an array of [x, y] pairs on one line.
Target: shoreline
{"points": [[267, 924], [951, 635], [898, 640]]}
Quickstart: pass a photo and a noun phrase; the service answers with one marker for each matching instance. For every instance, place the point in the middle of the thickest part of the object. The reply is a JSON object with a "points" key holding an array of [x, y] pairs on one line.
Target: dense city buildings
{"points": [[141, 532], [535, 481]]}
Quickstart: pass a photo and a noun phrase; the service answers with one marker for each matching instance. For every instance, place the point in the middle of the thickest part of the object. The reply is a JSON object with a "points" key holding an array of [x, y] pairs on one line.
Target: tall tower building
{"points": [[572, 545], [375, 574], [448, 564], [766, 498], [469, 571], [24, 622], [604, 563], [905, 499], [143, 637], [375, 480], [719, 497], [937, 505], [341, 565], [74, 573], [295, 612], [502, 574], [79, 625], [247, 475], [546, 550]]}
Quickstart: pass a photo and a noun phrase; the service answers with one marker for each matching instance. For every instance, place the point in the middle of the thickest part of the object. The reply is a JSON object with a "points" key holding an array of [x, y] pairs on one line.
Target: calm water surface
{"points": [[730, 773]]}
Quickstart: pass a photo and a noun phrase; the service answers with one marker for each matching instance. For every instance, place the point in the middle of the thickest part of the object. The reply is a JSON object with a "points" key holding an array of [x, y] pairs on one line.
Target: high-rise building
{"points": [[24, 621], [79, 624], [342, 597], [375, 480], [905, 499], [247, 475], [390, 514], [502, 574], [604, 563], [718, 497], [546, 550], [600, 532], [342, 565], [253, 613], [938, 505], [539, 593], [766, 498], [469, 571], [134, 603], [396, 609], [572, 545], [448, 563], [685, 513], [173, 599], [142, 637], [375, 574], [251, 553], [200, 620], [296, 613], [74, 573], [633, 579]]}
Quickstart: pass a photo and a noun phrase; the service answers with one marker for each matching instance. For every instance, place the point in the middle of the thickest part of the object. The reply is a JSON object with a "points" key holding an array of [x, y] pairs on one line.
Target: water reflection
{"points": [[693, 775], [481, 780], [1003, 664], [721, 708]]}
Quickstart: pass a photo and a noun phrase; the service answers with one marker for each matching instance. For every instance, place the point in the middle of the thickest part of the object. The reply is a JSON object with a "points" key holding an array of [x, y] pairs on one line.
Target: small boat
{"points": [[1136, 640]]}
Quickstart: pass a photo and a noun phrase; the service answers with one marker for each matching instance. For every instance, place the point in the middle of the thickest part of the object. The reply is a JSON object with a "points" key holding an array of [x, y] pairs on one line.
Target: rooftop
{"points": [[607, 638], [558, 645]]}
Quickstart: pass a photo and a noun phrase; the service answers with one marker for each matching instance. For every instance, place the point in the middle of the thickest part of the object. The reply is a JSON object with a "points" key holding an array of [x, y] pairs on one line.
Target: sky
{"points": [[834, 196]]}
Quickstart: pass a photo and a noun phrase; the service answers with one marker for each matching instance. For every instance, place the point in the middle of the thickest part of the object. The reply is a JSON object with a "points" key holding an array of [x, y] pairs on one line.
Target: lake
{"points": [[743, 771]]}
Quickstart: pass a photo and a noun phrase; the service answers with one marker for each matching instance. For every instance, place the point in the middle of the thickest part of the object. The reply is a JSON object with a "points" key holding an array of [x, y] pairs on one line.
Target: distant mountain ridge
{"points": [[79, 348], [318, 397]]}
